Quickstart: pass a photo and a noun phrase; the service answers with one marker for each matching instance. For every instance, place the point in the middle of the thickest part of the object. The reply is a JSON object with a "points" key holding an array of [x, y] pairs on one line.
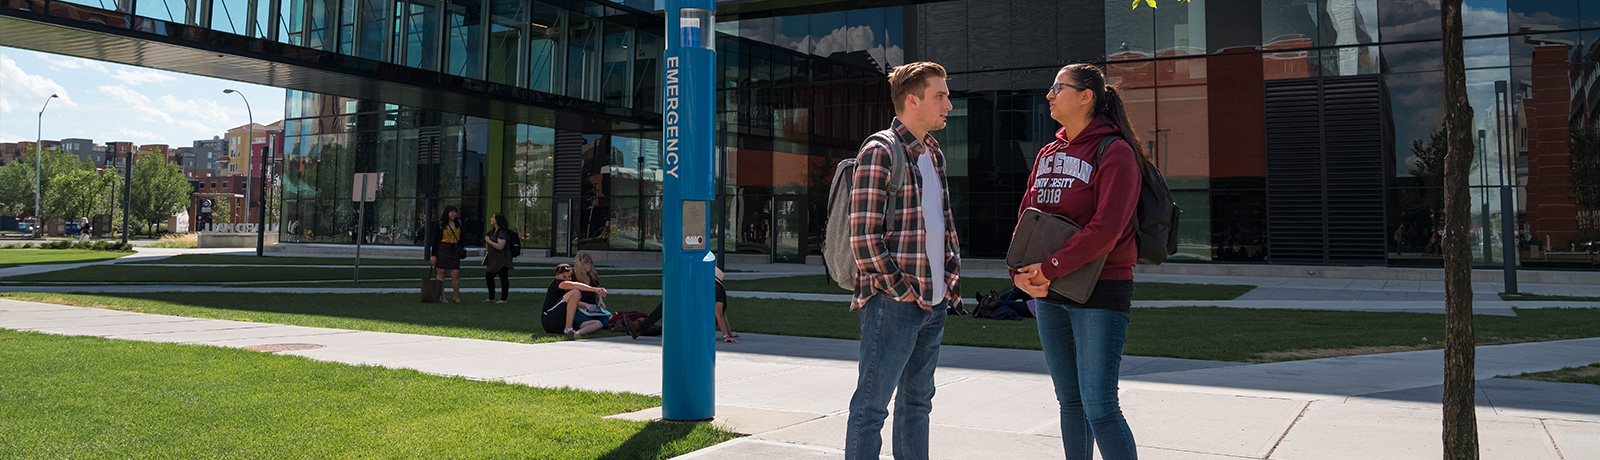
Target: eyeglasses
{"points": [[1056, 88]]}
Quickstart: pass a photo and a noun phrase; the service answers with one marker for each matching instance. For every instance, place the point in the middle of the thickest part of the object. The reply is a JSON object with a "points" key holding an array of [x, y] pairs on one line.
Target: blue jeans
{"points": [[1083, 347], [899, 349]]}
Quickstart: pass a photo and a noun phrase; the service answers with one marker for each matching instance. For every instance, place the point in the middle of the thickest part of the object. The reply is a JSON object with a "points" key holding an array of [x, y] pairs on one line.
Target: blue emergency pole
{"points": [[687, 147]]}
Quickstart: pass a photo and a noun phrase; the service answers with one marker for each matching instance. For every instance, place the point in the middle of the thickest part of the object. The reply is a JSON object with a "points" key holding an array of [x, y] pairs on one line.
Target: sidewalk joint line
{"points": [[1544, 424], [1285, 435]]}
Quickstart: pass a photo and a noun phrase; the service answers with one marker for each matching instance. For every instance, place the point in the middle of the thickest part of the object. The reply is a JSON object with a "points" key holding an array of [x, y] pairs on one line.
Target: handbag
{"points": [[1039, 235], [432, 289]]}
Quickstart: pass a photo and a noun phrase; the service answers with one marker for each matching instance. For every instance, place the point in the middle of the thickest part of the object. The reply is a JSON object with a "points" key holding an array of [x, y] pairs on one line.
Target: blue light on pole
{"points": [[688, 133]]}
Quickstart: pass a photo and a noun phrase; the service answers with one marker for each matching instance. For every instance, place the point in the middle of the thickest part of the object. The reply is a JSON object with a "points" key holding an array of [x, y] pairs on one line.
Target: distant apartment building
{"points": [[83, 148], [205, 154], [157, 149], [116, 154], [9, 152], [238, 160]]}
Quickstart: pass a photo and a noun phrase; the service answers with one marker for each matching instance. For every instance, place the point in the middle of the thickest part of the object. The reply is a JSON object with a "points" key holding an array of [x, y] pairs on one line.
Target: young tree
{"points": [[159, 189], [16, 180], [75, 194], [1460, 418], [221, 211]]}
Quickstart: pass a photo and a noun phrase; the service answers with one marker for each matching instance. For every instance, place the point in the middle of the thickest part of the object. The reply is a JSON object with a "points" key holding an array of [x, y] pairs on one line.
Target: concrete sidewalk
{"points": [[791, 394]]}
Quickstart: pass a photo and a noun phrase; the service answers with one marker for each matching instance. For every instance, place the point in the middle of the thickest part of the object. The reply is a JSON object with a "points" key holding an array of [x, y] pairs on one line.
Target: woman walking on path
{"points": [[447, 251], [497, 260], [1083, 341]]}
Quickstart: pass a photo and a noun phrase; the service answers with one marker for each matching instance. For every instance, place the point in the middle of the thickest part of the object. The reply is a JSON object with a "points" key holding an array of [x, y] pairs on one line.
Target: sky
{"points": [[110, 102]]}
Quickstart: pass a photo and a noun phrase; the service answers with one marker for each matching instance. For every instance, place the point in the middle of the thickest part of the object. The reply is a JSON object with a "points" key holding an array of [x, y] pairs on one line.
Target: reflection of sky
{"points": [[1480, 93], [1483, 17], [1411, 20], [1415, 99], [880, 32]]}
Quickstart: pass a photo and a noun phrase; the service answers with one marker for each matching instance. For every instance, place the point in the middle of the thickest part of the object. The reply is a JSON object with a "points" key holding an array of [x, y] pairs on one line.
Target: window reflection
{"points": [[1409, 20], [464, 19]]}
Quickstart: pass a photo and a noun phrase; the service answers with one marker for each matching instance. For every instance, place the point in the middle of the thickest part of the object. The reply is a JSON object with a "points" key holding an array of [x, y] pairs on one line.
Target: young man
{"points": [[563, 312], [903, 293]]}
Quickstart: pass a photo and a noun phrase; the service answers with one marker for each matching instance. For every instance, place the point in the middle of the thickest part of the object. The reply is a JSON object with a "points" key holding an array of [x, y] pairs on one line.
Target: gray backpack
{"points": [[837, 256]]}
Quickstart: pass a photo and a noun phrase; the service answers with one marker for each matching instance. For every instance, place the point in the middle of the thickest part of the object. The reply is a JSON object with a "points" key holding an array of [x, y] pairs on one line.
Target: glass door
{"points": [[561, 228], [789, 229]]}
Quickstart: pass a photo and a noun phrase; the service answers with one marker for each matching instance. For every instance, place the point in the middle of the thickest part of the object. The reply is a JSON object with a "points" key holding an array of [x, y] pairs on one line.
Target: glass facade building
{"points": [[1291, 131]]}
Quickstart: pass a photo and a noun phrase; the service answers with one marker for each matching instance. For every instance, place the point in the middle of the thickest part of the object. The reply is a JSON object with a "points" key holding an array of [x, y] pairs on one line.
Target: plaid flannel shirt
{"points": [[897, 263]]}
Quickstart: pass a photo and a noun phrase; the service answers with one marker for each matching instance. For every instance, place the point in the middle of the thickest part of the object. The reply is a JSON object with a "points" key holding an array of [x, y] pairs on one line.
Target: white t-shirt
{"points": [[933, 223]]}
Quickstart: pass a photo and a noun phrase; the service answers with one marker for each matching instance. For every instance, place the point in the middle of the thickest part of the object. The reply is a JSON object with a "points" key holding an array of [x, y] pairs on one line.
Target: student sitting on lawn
{"points": [[564, 312], [647, 326]]}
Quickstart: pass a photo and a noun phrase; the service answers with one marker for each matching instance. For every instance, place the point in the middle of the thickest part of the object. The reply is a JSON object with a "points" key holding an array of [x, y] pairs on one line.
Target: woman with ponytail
{"points": [[1083, 341]]}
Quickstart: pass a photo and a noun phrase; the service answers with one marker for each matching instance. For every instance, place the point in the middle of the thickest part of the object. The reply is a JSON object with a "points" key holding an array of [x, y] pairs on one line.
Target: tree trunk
{"points": [[1460, 418]]}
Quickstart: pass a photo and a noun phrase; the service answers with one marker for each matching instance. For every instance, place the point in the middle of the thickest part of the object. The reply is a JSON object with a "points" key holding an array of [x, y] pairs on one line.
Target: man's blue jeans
{"points": [[1083, 347], [899, 349]]}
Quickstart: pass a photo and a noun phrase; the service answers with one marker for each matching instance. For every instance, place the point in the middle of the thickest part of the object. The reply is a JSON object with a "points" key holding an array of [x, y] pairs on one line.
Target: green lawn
{"points": [[818, 284], [86, 397], [1584, 374], [15, 257], [1554, 298], [1224, 334]]}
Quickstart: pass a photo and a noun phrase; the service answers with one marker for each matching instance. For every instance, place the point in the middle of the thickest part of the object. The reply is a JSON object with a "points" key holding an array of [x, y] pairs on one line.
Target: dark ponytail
{"points": [[1107, 103]]}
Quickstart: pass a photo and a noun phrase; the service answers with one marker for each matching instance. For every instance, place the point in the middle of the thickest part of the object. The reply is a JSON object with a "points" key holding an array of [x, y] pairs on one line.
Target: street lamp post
{"points": [[249, 148], [38, 167]]}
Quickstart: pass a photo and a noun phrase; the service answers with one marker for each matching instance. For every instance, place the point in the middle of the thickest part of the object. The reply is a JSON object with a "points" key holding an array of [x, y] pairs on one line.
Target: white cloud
{"points": [[205, 112], [146, 135], [23, 90], [138, 102], [70, 62], [139, 77]]}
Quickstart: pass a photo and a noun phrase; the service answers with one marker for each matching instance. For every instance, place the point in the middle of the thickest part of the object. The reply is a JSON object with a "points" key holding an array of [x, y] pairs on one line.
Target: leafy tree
{"points": [[221, 210], [16, 179], [76, 193], [1460, 352], [159, 189], [1584, 143]]}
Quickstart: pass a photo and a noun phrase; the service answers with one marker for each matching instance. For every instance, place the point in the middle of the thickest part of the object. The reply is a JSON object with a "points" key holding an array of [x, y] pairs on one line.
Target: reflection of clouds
{"points": [[1488, 52], [1482, 21], [863, 38], [844, 39], [1410, 20], [1414, 57], [1415, 101], [1541, 20]]}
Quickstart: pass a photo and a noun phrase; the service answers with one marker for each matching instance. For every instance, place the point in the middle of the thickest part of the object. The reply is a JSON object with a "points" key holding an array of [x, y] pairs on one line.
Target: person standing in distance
{"points": [[1083, 341], [906, 278]]}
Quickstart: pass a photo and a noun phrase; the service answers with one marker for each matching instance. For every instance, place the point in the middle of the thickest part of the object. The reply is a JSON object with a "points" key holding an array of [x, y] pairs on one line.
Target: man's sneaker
{"points": [[491, 299], [500, 301]]}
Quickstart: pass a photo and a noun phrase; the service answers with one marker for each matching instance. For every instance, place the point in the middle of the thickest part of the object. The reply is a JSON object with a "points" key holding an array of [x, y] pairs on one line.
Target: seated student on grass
{"points": [[647, 326], [564, 312]]}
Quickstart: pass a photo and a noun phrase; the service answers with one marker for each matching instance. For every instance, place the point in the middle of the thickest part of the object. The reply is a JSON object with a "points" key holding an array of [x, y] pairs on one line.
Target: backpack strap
{"points": [[1105, 143], [897, 172]]}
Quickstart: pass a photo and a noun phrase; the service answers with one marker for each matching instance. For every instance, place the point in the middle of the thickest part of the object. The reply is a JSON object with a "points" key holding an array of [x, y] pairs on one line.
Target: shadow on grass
{"points": [[515, 321], [648, 443]]}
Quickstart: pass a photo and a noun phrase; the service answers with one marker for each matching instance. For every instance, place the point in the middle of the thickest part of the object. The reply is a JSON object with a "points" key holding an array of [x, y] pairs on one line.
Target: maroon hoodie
{"points": [[1100, 197]]}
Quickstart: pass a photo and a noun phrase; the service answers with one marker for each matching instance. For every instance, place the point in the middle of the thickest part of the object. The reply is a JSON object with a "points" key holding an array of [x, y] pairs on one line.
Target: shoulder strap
{"points": [[897, 172], [1105, 143]]}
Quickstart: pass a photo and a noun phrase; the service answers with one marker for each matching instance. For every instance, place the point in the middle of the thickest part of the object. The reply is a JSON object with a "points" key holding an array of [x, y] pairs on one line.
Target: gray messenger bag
{"points": [[1041, 234]]}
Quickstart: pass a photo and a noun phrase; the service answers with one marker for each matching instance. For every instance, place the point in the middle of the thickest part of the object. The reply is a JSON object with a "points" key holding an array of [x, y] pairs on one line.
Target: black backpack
{"points": [[514, 245], [1155, 217]]}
